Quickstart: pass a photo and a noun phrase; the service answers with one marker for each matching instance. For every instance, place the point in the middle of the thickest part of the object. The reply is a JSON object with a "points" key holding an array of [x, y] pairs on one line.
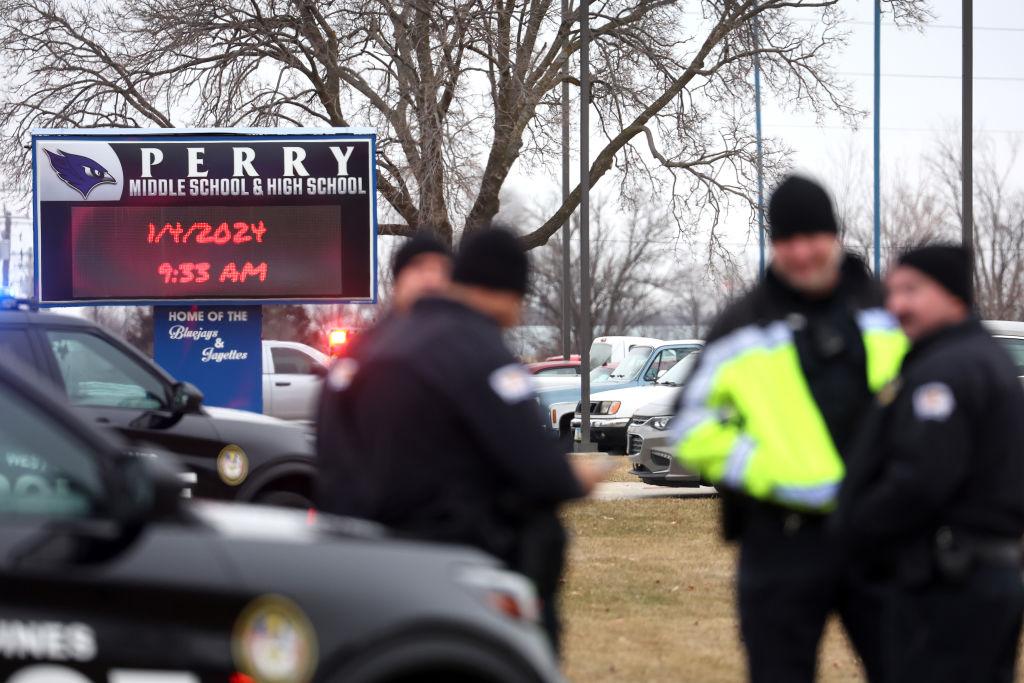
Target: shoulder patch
{"points": [[341, 374], [934, 401], [512, 383]]}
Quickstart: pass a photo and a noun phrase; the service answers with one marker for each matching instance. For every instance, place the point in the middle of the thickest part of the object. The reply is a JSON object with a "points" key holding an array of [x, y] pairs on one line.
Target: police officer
{"points": [[421, 266], [438, 429], [937, 502], [768, 415]]}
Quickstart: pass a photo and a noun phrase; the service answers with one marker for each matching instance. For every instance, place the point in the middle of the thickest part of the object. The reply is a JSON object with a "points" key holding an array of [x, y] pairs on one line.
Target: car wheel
{"points": [[285, 499]]}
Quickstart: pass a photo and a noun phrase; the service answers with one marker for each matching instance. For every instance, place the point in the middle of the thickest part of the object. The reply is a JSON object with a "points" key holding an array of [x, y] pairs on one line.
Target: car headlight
{"points": [[273, 641], [608, 407], [660, 423], [503, 591]]}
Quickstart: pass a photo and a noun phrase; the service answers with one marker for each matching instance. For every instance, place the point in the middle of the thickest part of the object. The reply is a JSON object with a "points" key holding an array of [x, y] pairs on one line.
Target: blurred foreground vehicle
{"points": [[107, 574], [228, 454]]}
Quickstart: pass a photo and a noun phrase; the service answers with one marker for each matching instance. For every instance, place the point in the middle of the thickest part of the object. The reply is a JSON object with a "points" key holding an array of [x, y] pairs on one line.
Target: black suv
{"points": [[108, 576], [227, 454]]}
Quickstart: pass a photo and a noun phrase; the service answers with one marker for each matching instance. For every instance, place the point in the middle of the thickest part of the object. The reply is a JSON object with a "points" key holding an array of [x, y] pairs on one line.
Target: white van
{"points": [[610, 351]]}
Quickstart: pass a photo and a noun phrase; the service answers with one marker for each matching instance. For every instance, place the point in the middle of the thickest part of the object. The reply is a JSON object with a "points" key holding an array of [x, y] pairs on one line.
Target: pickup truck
{"points": [[642, 366], [293, 375]]}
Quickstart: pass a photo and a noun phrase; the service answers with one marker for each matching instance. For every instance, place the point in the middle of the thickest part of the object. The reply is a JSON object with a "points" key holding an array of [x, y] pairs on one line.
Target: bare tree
{"points": [[460, 91], [998, 224], [632, 268], [931, 210], [912, 214], [134, 324]]}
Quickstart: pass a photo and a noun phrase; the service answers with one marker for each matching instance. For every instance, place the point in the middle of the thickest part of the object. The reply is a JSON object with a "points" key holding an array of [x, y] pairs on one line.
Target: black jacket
{"points": [[436, 434], [831, 351], [943, 448]]}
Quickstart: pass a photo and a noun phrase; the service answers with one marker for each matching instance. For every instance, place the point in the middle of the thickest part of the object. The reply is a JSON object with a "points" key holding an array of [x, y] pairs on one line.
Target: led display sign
{"points": [[202, 218]]}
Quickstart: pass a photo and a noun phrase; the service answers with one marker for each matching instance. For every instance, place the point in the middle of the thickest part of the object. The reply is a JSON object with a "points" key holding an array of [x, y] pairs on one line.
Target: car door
{"points": [[113, 388], [295, 384], [154, 603], [16, 347]]}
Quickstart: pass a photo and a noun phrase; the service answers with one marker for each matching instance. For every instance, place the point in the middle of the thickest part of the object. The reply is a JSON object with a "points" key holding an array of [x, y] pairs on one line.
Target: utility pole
{"points": [[760, 152], [566, 246], [878, 141], [5, 251], [967, 125], [585, 332]]}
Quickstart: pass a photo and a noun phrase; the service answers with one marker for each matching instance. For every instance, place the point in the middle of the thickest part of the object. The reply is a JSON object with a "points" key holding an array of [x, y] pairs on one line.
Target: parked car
{"points": [[230, 454], [559, 403], [556, 366], [648, 436], [612, 410], [1011, 335], [293, 376], [109, 575]]}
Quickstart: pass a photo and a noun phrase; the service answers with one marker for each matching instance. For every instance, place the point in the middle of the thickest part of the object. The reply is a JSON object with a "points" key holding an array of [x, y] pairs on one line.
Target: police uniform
{"points": [[935, 505], [768, 415], [438, 437], [329, 409]]}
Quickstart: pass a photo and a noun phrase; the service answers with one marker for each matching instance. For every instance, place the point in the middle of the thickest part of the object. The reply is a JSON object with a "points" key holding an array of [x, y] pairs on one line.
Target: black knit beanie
{"points": [[800, 206], [492, 258], [947, 264], [423, 242]]}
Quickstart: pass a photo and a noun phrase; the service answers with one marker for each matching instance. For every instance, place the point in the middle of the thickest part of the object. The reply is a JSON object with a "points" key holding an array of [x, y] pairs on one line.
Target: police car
{"points": [[107, 574], [228, 454]]}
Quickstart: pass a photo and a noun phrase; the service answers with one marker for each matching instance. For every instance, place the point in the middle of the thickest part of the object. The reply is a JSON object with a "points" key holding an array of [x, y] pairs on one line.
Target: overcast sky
{"points": [[920, 101]]}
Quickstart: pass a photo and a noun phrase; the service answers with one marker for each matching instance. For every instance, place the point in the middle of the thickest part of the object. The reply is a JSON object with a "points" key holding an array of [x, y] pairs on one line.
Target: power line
{"points": [[1007, 29], [900, 129], [865, 74]]}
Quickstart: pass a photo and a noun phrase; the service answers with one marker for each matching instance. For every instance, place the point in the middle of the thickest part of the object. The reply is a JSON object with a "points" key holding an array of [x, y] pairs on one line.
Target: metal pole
{"points": [[566, 261], [585, 332], [878, 139], [760, 151], [967, 127], [6, 253]]}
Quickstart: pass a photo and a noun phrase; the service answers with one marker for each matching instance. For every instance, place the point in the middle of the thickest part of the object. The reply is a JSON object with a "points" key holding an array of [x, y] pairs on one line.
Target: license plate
{"points": [[578, 435]]}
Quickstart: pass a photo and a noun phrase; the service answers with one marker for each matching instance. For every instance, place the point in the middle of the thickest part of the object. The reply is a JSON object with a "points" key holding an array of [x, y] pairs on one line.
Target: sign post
{"points": [[207, 225]]}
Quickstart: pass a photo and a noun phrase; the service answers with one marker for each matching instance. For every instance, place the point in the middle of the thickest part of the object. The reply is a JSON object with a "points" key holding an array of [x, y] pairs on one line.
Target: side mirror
{"points": [[153, 487], [187, 398], [319, 370]]}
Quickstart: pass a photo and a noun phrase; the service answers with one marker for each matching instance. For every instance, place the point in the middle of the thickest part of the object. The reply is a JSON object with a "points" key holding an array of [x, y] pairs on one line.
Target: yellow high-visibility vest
{"points": [[749, 421]]}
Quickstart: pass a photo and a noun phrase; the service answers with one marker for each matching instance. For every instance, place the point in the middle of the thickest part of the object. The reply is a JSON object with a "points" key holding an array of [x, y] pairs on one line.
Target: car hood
{"points": [[261, 433], [664, 402], [561, 394], [634, 397], [246, 416], [355, 582]]}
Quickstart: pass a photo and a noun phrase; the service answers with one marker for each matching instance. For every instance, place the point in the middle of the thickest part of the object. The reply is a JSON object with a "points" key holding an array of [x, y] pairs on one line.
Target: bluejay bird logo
{"points": [[78, 172]]}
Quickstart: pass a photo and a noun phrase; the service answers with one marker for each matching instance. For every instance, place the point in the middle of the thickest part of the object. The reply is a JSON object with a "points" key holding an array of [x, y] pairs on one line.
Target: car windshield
{"points": [[600, 354], [631, 365], [679, 372], [1015, 347], [601, 374]]}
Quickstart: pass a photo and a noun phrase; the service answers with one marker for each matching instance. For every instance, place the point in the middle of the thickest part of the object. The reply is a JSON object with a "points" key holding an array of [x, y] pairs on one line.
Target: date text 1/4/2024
{"points": [[190, 272]]}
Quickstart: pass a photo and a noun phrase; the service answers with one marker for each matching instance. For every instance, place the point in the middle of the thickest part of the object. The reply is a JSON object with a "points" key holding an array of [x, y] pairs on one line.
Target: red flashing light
{"points": [[338, 337]]}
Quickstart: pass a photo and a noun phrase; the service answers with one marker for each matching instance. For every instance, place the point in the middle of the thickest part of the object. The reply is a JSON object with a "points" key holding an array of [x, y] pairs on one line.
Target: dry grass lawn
{"points": [[649, 596]]}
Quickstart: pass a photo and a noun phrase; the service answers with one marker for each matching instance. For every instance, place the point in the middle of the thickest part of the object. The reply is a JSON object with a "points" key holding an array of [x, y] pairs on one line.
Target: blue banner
{"points": [[217, 348]]}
